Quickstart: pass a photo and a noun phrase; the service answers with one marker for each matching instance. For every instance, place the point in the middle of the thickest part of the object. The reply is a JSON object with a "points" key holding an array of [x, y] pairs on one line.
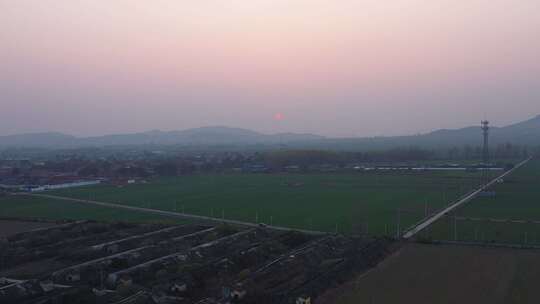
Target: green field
{"points": [[359, 203], [518, 198], [25, 206]]}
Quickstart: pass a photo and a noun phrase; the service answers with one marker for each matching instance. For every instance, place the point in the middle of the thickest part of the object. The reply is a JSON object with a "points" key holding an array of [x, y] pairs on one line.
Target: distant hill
{"points": [[198, 136], [523, 133], [49, 139]]}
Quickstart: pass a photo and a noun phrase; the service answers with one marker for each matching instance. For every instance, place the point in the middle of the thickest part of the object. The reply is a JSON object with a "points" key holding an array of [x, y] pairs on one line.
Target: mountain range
{"points": [[197, 136], [523, 133]]}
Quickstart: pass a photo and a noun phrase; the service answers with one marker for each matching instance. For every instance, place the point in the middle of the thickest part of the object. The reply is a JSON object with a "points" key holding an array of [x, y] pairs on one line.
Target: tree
{"points": [[166, 169]]}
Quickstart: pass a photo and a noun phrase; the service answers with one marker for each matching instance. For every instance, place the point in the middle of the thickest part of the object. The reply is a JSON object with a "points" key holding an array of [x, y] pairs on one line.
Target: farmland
{"points": [[446, 274], [364, 202], [505, 218], [31, 207]]}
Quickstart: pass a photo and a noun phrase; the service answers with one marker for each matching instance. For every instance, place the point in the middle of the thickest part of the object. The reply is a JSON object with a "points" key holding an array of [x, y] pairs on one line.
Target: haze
{"points": [[337, 68]]}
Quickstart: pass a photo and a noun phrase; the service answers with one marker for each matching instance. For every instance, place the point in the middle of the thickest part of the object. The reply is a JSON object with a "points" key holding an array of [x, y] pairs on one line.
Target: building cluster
{"points": [[27, 175], [63, 171], [72, 171], [42, 172], [91, 262]]}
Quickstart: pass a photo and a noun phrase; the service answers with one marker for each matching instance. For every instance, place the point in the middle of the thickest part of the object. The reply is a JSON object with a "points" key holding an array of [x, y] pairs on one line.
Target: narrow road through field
{"points": [[435, 217], [172, 214]]}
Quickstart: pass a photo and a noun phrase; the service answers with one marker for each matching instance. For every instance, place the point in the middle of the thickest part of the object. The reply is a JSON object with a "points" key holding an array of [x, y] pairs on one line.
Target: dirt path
{"points": [[10, 227], [435, 217], [171, 213]]}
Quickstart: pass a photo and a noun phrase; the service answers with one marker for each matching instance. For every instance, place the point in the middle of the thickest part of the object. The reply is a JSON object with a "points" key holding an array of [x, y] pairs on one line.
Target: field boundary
{"points": [[426, 222], [173, 214], [483, 244]]}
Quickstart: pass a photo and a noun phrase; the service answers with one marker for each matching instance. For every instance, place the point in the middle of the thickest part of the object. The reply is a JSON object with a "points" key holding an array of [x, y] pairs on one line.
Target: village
{"points": [[93, 262]]}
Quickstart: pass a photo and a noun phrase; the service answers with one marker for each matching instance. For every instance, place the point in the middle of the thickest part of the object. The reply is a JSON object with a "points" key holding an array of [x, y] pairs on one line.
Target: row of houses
{"points": [[61, 186]]}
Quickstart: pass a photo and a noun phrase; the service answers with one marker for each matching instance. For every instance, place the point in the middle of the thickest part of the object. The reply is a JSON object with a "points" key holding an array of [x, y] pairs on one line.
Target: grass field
{"points": [[365, 202], [518, 198], [25, 206], [427, 274]]}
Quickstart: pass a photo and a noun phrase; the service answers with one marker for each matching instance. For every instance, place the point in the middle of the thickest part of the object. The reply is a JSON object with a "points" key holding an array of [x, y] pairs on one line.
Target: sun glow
{"points": [[308, 58], [279, 116]]}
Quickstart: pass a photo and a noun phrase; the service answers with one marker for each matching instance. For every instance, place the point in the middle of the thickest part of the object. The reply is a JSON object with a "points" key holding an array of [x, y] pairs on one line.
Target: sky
{"points": [[331, 67]]}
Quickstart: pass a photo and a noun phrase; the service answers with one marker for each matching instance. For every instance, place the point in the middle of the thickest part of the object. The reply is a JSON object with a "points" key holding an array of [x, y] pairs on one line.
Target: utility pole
{"points": [[455, 227], [367, 228], [256, 217], [398, 231], [485, 151], [101, 276], [444, 196]]}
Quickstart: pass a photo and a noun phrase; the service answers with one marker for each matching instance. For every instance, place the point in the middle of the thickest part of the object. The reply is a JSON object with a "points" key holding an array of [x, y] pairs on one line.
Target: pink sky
{"points": [[339, 68]]}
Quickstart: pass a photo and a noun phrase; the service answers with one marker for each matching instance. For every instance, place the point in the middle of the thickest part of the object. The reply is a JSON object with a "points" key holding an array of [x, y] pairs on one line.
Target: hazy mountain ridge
{"points": [[36, 139], [196, 136], [525, 132]]}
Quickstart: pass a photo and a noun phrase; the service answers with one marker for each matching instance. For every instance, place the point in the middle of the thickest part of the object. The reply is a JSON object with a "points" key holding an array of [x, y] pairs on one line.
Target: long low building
{"points": [[114, 263], [63, 186]]}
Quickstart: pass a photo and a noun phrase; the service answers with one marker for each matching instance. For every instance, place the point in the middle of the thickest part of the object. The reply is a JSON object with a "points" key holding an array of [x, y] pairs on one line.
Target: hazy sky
{"points": [[340, 68]]}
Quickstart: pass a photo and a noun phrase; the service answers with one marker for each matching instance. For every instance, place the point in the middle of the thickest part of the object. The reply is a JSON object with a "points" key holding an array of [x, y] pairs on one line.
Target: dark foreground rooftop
{"points": [[92, 262]]}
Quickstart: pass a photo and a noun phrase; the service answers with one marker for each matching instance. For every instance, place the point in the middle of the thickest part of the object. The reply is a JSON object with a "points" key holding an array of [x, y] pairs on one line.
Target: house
{"points": [[303, 300], [47, 285], [20, 291], [6, 172], [255, 168], [161, 298], [114, 248], [125, 281], [238, 293], [292, 168], [179, 287], [73, 277]]}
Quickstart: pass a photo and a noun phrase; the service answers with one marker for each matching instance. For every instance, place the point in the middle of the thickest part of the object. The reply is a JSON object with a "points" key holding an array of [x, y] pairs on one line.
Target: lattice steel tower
{"points": [[485, 150]]}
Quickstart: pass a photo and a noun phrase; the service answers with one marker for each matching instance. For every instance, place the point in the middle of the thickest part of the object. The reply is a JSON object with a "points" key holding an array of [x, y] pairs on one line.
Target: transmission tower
{"points": [[485, 150]]}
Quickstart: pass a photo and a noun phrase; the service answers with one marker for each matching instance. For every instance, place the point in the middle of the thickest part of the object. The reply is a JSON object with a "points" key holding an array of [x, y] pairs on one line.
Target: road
{"points": [[435, 217], [406, 235], [172, 214]]}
